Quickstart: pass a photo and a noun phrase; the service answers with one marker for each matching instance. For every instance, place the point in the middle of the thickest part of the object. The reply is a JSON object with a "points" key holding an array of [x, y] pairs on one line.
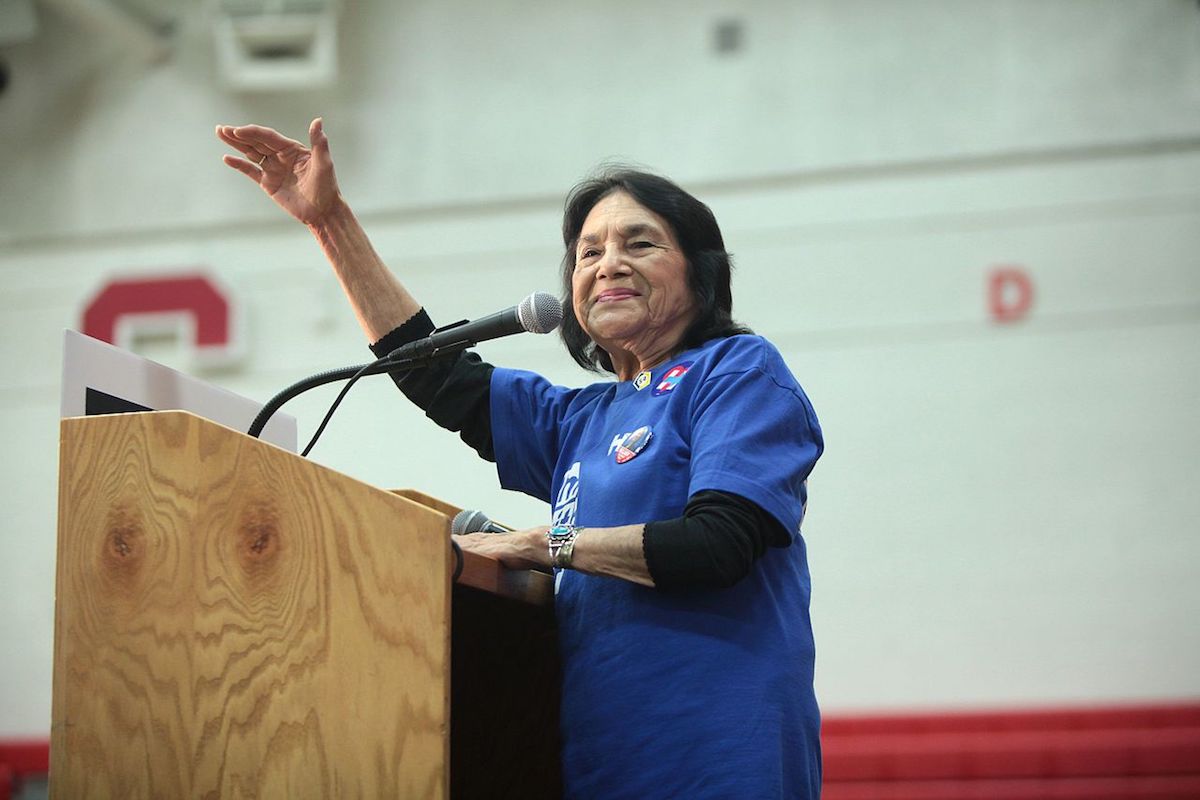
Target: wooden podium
{"points": [[235, 621]]}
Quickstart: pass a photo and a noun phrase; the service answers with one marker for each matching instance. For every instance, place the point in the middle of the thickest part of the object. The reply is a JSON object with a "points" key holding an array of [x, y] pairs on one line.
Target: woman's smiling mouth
{"points": [[611, 295]]}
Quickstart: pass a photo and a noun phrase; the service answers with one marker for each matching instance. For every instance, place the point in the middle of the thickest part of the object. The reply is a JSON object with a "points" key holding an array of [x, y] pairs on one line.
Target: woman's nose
{"points": [[612, 263]]}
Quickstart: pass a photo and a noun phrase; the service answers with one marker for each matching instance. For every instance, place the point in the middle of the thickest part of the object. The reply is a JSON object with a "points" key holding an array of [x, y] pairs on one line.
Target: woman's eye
{"points": [[642, 245]]}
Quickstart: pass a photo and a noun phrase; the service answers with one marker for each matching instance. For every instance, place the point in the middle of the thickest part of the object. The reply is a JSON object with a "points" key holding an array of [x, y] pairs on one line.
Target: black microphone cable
{"points": [[384, 364], [458, 561], [403, 366]]}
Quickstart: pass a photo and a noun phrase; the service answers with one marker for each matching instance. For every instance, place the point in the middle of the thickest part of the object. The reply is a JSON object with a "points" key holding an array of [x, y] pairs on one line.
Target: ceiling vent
{"points": [[268, 45], [18, 23]]}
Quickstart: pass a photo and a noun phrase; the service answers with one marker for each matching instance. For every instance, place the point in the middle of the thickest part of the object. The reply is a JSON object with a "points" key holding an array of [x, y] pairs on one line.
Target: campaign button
{"points": [[633, 444], [671, 378]]}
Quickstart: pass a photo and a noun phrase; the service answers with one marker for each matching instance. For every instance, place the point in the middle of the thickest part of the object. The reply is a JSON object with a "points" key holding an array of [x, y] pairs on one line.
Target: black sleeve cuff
{"points": [[454, 392], [418, 326]]}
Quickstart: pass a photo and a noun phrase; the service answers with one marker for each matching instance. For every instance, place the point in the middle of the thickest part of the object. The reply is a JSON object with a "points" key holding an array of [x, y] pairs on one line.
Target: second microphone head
{"points": [[473, 521]]}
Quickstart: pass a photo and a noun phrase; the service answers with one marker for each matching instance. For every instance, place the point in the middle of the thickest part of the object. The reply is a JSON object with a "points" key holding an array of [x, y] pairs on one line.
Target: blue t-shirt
{"points": [[680, 694]]}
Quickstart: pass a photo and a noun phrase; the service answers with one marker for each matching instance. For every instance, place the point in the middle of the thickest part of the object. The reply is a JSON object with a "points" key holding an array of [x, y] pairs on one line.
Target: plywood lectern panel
{"points": [[235, 621]]}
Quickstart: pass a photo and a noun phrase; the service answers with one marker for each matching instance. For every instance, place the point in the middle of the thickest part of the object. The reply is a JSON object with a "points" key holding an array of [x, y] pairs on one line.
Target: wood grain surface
{"points": [[486, 573], [235, 621]]}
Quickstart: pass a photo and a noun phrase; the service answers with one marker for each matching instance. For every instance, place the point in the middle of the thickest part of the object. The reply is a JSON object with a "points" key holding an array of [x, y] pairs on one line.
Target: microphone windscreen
{"points": [[468, 521], [541, 312]]}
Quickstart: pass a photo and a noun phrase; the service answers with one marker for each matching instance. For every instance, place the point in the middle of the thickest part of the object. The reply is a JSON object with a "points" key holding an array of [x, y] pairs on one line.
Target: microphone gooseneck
{"points": [[312, 382], [541, 312]]}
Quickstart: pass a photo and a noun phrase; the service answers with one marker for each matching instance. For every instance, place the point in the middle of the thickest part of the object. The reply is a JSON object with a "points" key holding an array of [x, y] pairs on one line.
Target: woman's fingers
{"points": [[256, 141], [316, 136], [264, 141], [252, 150], [267, 136], [245, 167]]}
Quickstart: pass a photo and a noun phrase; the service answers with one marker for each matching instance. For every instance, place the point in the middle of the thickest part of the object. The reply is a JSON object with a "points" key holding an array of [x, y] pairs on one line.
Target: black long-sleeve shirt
{"points": [[712, 545]]}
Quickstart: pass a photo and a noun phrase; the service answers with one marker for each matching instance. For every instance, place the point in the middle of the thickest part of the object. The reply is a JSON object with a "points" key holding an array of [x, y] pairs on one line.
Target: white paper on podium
{"points": [[92, 364]]}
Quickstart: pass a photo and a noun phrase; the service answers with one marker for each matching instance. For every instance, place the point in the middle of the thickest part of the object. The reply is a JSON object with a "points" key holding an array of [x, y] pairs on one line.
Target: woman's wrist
{"points": [[560, 541], [333, 221]]}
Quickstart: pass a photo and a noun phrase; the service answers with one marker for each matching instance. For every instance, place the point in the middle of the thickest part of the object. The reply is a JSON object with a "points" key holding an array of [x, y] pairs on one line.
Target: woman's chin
{"points": [[615, 325]]}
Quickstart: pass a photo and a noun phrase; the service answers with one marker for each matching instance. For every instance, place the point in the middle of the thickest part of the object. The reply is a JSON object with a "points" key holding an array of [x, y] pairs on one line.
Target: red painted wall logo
{"points": [[193, 306], [1010, 294]]}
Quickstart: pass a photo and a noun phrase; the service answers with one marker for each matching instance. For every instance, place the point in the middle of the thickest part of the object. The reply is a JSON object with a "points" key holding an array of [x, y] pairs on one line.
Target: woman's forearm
{"points": [[712, 546], [615, 552], [379, 299]]}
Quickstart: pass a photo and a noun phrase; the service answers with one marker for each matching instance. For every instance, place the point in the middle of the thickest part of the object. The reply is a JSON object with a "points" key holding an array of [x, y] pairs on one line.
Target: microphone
{"points": [[539, 313], [471, 521]]}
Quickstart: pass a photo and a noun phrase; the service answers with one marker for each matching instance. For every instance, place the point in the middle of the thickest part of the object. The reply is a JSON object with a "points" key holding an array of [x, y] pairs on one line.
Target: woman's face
{"points": [[630, 285]]}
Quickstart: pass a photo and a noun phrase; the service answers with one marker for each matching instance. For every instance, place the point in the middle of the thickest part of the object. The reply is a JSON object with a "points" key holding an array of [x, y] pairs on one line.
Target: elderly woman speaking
{"points": [[677, 491]]}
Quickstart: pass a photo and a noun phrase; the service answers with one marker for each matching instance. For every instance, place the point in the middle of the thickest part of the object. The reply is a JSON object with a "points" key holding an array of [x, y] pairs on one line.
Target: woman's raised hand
{"points": [[299, 179]]}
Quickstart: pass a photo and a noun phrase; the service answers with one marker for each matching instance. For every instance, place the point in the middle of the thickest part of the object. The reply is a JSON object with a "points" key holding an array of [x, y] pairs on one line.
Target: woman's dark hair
{"points": [[696, 230]]}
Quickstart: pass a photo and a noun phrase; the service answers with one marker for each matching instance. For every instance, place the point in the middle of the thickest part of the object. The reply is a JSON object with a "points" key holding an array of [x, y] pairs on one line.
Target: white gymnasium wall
{"points": [[1004, 514]]}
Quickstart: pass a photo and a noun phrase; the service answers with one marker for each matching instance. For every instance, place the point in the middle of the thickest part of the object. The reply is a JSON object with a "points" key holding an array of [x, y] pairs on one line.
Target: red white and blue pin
{"points": [[633, 443], [671, 378]]}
